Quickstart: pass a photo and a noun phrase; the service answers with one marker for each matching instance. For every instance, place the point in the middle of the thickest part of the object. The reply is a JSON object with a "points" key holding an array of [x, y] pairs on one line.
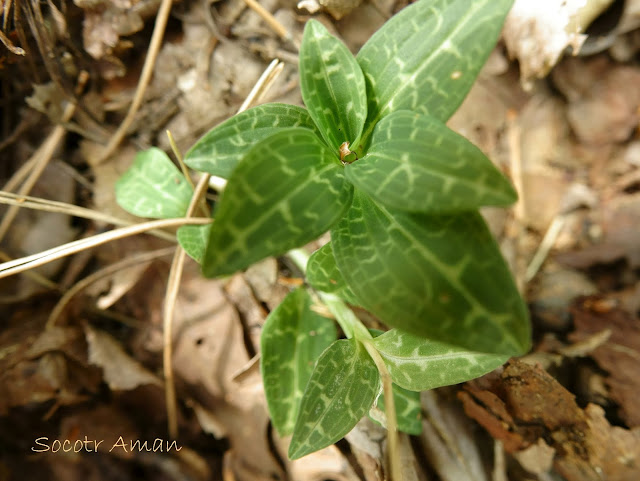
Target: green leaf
{"points": [[419, 364], [193, 239], [287, 191], [417, 163], [332, 86], [427, 56], [153, 187], [408, 410], [323, 274], [293, 337], [440, 277], [219, 150], [341, 390]]}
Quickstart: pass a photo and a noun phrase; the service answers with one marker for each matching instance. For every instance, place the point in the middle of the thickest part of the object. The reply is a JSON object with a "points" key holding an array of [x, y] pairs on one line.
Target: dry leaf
{"points": [[619, 355], [448, 441], [537, 33], [121, 371]]}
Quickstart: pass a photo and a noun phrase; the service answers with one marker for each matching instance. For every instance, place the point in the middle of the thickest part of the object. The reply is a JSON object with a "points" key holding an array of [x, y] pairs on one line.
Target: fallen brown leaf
{"points": [[619, 356]]}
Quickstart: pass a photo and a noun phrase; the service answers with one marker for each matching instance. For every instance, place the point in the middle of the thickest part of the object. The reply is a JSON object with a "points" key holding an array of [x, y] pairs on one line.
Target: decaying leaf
{"points": [[602, 109], [525, 404], [48, 366], [448, 441], [619, 356], [121, 371]]}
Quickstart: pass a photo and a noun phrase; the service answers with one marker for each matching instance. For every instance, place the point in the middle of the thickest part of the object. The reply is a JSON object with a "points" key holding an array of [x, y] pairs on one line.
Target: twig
{"points": [[101, 274], [390, 410], [41, 159], [175, 273], [34, 276], [276, 26], [10, 46], [171, 295], [176, 152], [145, 78], [263, 84], [545, 246], [29, 262], [514, 138]]}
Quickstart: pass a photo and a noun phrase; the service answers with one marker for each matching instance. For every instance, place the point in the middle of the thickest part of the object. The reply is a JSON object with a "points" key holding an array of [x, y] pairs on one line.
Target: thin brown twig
{"points": [[514, 140], [276, 26], [175, 273], [145, 78]]}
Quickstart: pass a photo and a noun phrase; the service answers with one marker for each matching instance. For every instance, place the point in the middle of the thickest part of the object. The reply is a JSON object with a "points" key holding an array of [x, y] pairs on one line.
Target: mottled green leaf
{"points": [[193, 239], [440, 277], [427, 56], [293, 337], [219, 150], [323, 274], [341, 390], [419, 364], [287, 191], [332, 86], [416, 163], [408, 410], [153, 187]]}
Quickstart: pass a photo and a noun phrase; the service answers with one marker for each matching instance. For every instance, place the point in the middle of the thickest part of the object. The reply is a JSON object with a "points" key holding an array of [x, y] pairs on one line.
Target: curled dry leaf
{"points": [[121, 371]]}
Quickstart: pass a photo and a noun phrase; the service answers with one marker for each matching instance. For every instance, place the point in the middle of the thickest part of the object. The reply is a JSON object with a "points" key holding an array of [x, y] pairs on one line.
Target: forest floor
{"points": [[81, 339]]}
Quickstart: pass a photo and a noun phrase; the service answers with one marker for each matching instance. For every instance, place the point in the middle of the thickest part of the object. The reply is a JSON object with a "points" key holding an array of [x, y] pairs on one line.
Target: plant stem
{"points": [[390, 411], [353, 327]]}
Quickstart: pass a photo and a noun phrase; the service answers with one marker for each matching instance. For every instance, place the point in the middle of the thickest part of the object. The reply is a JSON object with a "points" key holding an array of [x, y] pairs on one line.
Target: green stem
{"points": [[353, 327], [350, 324]]}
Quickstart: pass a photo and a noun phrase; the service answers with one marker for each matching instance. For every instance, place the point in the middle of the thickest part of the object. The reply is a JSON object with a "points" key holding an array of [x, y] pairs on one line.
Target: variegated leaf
{"points": [[419, 364], [408, 410], [293, 337], [341, 390], [219, 150], [426, 57], [323, 274], [416, 163], [153, 187], [437, 276], [332, 86], [193, 239], [287, 191]]}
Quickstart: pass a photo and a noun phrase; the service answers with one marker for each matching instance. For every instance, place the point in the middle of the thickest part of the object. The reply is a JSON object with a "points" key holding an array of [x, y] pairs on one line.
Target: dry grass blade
{"points": [[43, 155], [145, 78], [37, 203], [175, 274], [101, 274], [25, 263], [276, 26]]}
